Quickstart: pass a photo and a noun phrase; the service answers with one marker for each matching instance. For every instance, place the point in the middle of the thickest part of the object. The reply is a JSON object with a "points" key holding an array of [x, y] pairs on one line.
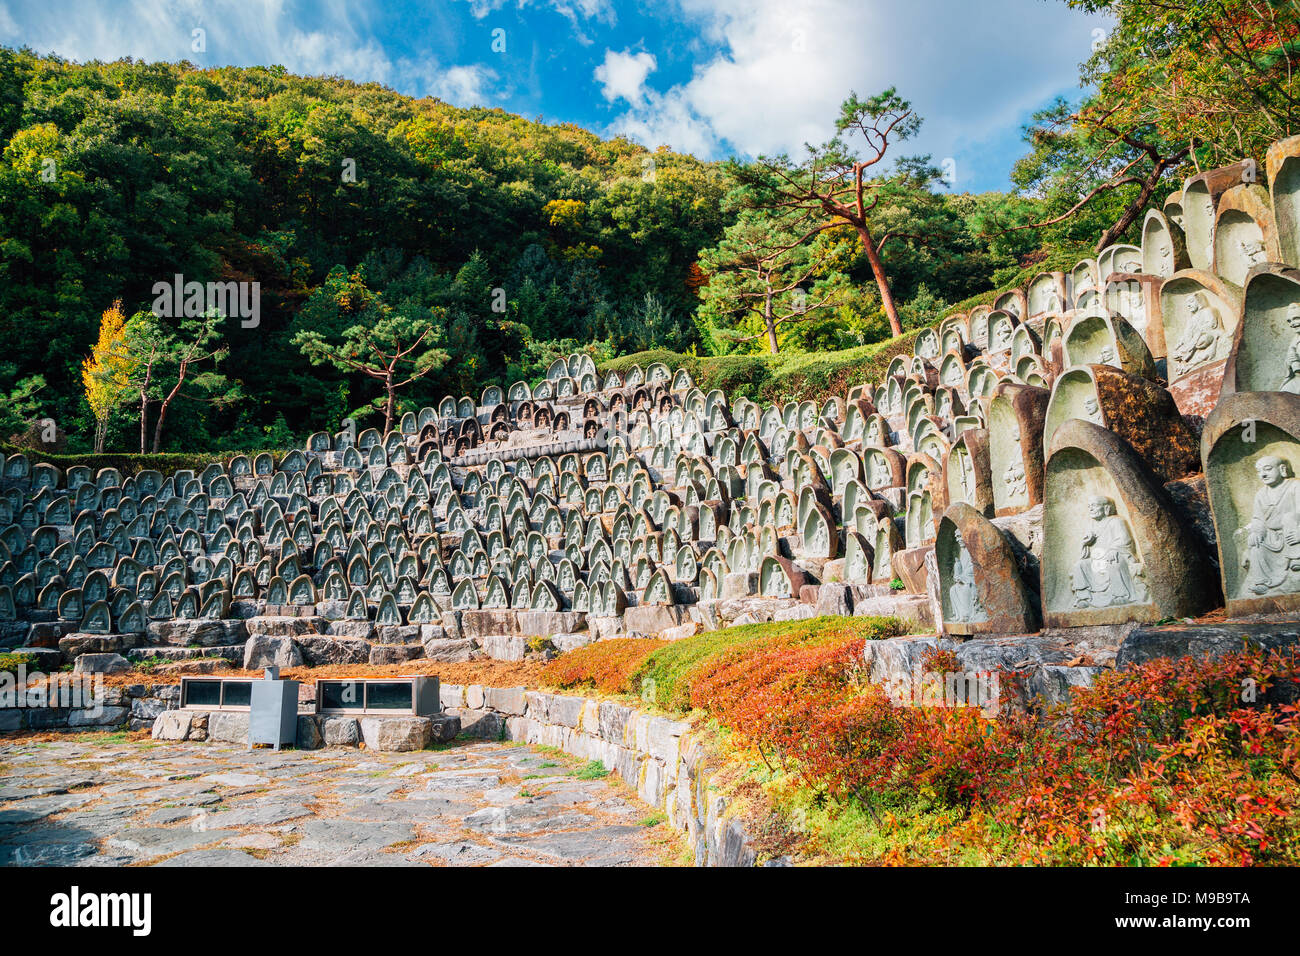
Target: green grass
{"points": [[594, 770], [670, 669], [653, 820]]}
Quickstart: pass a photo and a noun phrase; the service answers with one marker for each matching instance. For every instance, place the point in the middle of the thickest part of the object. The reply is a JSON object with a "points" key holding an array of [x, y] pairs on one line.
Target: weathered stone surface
{"points": [[101, 664], [654, 618], [1145, 644], [1115, 549], [309, 735], [396, 733], [172, 725], [395, 653], [228, 727], [319, 651], [505, 647], [449, 650], [340, 731], [200, 633], [285, 626], [909, 567], [263, 650], [979, 580]]}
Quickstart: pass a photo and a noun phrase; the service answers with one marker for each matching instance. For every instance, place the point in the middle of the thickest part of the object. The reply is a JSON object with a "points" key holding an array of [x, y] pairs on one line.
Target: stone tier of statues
{"points": [[1115, 444]]}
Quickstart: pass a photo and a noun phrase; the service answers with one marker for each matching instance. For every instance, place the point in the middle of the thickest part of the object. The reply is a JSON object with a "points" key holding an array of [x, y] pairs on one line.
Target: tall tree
{"points": [[843, 180], [394, 346], [106, 372], [165, 361], [766, 273], [1178, 86]]}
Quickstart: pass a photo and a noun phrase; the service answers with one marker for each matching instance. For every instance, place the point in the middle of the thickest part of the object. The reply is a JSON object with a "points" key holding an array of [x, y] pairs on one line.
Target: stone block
{"points": [[505, 700], [197, 633], [231, 728], [395, 653], [263, 650], [340, 731], [396, 734], [322, 651]]}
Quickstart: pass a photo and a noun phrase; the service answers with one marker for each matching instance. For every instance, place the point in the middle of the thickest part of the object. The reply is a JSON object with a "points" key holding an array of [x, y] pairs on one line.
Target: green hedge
{"points": [[779, 378], [129, 464], [798, 376]]}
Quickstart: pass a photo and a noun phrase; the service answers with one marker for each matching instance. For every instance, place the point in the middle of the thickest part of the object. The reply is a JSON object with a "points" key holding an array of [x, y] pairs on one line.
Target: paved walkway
{"points": [[99, 800]]}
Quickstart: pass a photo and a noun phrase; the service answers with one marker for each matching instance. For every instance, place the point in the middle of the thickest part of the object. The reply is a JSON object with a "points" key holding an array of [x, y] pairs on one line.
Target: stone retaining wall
{"points": [[135, 705], [661, 758]]}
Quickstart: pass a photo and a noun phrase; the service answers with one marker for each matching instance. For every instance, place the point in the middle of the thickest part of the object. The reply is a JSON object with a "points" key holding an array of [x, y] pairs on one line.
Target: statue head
{"points": [[1272, 470], [1100, 507], [1293, 315]]}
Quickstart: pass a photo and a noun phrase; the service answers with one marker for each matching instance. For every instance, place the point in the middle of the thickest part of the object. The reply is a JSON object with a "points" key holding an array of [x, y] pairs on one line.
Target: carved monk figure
{"points": [[962, 595], [1165, 251], [1291, 382], [1093, 410], [1200, 337], [1272, 552], [1109, 572]]}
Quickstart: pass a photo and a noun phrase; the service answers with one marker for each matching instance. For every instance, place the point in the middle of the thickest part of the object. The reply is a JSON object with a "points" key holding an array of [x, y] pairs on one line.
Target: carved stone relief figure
{"points": [[1109, 572], [1093, 410], [1271, 556], [962, 593], [1291, 383], [1014, 477], [1253, 251], [1200, 339], [877, 475]]}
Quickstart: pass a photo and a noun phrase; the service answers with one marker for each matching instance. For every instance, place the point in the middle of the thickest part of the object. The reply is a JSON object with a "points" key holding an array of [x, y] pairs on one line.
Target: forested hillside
{"points": [[116, 176], [476, 245]]}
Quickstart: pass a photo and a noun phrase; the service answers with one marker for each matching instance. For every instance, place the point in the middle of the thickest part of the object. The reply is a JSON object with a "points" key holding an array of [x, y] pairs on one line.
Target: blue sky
{"points": [[730, 77]]}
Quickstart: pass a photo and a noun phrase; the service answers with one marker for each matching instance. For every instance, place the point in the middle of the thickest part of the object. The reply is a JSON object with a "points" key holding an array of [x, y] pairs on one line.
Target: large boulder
{"points": [[390, 734], [197, 633], [264, 651], [318, 651]]}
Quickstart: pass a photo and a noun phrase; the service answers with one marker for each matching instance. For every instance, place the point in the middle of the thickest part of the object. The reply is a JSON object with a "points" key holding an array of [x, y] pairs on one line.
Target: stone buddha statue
{"points": [[1200, 338], [1271, 552], [1109, 572], [1291, 380]]}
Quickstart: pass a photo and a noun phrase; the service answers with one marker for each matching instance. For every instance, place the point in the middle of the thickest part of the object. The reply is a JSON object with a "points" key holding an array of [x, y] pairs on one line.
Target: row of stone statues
{"points": [[1111, 445]]}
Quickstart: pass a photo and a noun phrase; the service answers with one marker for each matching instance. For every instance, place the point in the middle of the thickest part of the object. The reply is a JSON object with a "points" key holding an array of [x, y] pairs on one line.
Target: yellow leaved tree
{"points": [[107, 372]]}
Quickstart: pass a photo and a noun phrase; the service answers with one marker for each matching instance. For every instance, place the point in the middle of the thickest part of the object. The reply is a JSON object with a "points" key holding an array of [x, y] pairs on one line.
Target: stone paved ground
{"points": [[100, 800]]}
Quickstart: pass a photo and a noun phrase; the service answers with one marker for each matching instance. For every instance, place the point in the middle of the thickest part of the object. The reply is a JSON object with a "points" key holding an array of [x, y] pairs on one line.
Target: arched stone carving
{"points": [[980, 587], [1251, 453], [1115, 549]]}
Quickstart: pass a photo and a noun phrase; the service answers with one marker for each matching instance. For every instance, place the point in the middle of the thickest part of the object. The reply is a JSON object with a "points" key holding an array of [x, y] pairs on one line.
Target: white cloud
{"points": [[623, 75], [463, 85], [778, 73]]}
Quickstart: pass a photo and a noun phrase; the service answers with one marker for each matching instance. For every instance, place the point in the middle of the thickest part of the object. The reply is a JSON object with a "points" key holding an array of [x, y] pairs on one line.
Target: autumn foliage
{"points": [[1188, 761], [606, 666]]}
